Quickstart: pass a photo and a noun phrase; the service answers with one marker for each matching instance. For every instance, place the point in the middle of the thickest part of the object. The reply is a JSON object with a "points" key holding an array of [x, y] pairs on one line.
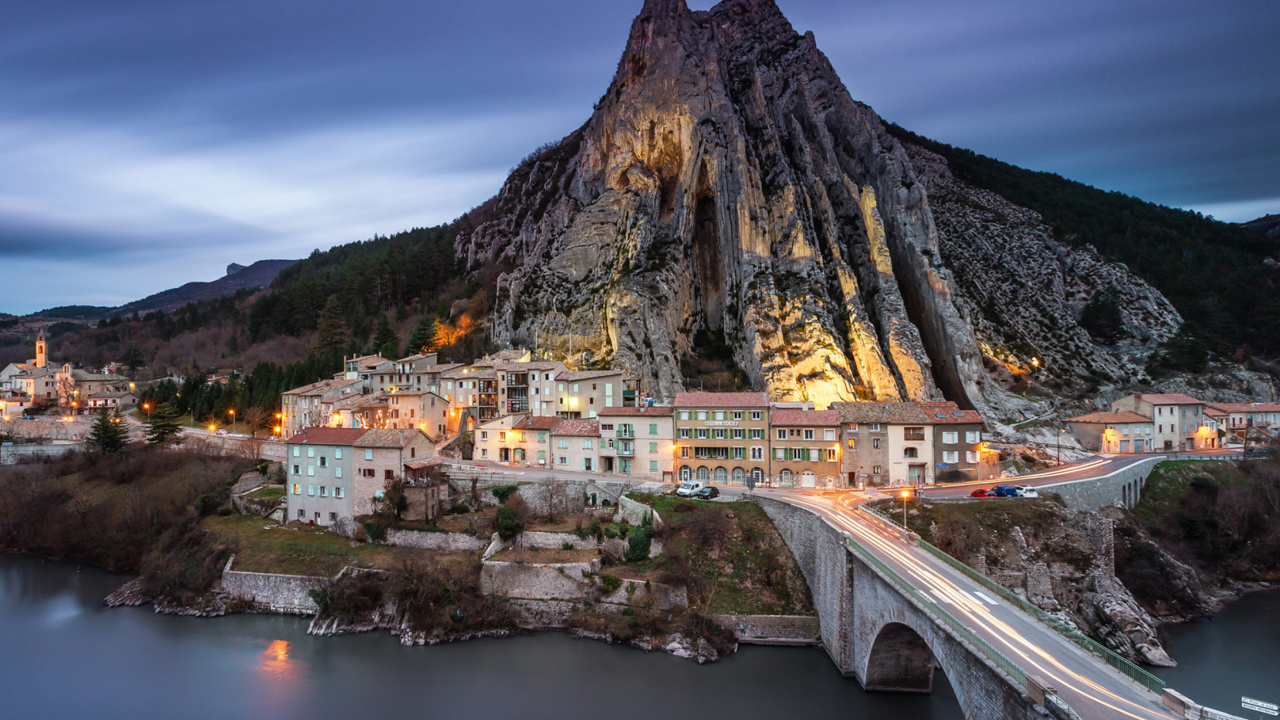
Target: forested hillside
{"points": [[1213, 272]]}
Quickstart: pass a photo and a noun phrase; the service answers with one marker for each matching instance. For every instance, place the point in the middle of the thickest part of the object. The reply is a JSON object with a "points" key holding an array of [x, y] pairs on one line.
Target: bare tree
{"points": [[252, 446], [556, 494]]}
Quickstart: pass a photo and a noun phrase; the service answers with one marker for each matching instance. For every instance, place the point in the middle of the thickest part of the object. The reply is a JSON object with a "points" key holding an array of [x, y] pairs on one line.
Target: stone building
{"points": [[1180, 420], [1113, 432], [721, 437], [419, 409], [381, 456], [528, 387], [804, 448]]}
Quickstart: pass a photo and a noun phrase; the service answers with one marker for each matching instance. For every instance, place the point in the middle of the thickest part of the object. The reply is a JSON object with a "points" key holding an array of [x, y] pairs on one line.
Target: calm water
{"points": [[64, 655], [1235, 653]]}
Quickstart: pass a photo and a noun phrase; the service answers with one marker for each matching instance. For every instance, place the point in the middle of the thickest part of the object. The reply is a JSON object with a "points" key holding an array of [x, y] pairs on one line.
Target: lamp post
{"points": [[1061, 432], [904, 510], [146, 407], [233, 420]]}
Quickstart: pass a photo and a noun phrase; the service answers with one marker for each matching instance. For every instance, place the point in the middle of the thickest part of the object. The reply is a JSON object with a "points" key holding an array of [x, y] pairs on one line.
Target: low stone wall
{"points": [[545, 595], [1123, 486], [635, 593], [541, 494], [444, 541], [561, 581], [287, 594], [555, 541], [772, 629]]}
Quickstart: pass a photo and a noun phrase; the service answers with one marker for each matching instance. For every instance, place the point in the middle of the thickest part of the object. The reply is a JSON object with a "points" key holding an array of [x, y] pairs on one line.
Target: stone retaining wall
{"points": [[287, 594], [555, 541], [1124, 486], [772, 629], [444, 541]]}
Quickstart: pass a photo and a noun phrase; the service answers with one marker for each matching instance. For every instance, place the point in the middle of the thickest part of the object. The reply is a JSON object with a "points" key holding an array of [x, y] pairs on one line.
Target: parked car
{"points": [[980, 493], [1005, 491], [1026, 491], [707, 493], [689, 488], [670, 488]]}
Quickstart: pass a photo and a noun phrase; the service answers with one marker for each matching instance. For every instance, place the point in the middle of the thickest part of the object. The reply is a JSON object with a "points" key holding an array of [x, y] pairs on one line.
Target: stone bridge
{"points": [[877, 634]]}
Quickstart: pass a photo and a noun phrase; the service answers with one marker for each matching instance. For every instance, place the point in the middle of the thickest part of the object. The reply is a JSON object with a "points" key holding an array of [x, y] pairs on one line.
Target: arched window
{"points": [[910, 452], [685, 473], [703, 474], [786, 478], [739, 476], [758, 474], [722, 475]]}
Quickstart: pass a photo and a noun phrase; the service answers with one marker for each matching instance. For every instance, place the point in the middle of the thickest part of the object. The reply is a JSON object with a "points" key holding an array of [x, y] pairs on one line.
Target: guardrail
{"points": [[1070, 632]]}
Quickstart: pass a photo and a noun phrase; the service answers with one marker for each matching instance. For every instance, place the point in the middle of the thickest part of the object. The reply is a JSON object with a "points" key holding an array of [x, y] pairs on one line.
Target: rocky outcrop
{"points": [[728, 181]]}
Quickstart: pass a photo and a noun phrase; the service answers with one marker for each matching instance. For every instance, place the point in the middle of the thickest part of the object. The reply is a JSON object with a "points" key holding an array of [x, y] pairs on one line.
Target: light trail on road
{"points": [[842, 511]]}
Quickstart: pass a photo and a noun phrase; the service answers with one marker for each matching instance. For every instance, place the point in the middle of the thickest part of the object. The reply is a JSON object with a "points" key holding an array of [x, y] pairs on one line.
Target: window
{"points": [[737, 453], [542, 456], [297, 489], [970, 456], [739, 434], [702, 414], [484, 452], [542, 437], [297, 451], [757, 453], [684, 415], [799, 453], [311, 452], [808, 433], [653, 428], [339, 493], [502, 436], [368, 454], [606, 427], [484, 434], [324, 461], [337, 453], [337, 473], [757, 415], [781, 434], [737, 414], [653, 447], [912, 433], [875, 443], [950, 437], [575, 387], [875, 427], [311, 470], [301, 514], [910, 452], [952, 456], [684, 452], [829, 434], [876, 470], [685, 433], [333, 516], [702, 433], [718, 433], [653, 466], [757, 433], [779, 453], [586, 444], [311, 490], [324, 491], [388, 475], [719, 415], [972, 437], [562, 460], [831, 454], [853, 444], [297, 470]]}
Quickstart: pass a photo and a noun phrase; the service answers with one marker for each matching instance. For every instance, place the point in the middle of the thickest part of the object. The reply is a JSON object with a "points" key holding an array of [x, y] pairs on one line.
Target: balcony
{"points": [[626, 450], [626, 431]]}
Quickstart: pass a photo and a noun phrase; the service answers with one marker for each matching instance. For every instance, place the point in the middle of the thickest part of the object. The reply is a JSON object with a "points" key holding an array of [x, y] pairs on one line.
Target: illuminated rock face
{"points": [[728, 181]]}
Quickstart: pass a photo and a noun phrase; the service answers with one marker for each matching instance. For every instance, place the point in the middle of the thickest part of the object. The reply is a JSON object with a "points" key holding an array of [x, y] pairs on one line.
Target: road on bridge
{"points": [[1089, 686]]}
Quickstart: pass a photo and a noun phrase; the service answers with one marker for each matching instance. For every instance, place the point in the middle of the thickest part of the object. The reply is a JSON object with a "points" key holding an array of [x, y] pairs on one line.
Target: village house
{"points": [[1180, 420], [528, 387], [362, 368], [9, 376], [419, 409], [312, 405], [721, 437], [638, 441], [583, 394], [75, 386], [13, 405], [120, 401], [407, 373], [575, 445], [804, 448], [886, 443], [1113, 432], [380, 456], [427, 490], [472, 392], [495, 440], [40, 385], [319, 478], [959, 453], [1235, 418]]}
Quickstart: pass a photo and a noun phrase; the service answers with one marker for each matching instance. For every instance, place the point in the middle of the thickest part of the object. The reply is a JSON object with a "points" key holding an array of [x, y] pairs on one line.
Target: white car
{"points": [[689, 488], [1027, 491]]}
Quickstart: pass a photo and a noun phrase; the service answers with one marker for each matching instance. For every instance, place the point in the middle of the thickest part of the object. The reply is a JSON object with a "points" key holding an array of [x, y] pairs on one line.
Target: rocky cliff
{"points": [[728, 181]]}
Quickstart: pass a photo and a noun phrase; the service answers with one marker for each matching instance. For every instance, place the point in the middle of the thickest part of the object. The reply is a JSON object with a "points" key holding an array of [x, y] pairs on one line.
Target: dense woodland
{"points": [[1212, 272]]}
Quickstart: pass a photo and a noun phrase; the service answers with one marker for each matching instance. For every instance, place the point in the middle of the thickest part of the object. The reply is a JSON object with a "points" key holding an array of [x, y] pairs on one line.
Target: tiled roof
{"points": [[1244, 407], [874, 412], [580, 375], [420, 464], [462, 372], [86, 376], [951, 413], [327, 436], [441, 368], [820, 418], [535, 365], [109, 395], [1111, 417], [387, 438], [530, 422], [727, 400], [655, 411], [577, 428], [506, 356], [415, 358], [408, 393], [1170, 399]]}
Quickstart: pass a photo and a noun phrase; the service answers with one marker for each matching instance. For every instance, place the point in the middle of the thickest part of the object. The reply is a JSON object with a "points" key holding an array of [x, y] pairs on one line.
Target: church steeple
{"points": [[42, 350]]}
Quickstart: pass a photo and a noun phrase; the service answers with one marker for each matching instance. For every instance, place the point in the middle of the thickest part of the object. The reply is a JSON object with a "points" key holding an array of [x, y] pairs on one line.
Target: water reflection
{"points": [[275, 663]]}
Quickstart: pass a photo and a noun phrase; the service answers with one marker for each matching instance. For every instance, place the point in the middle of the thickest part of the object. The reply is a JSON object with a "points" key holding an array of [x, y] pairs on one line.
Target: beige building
{"points": [[40, 385], [1113, 432], [908, 443], [1180, 420], [318, 476], [419, 409], [575, 445], [403, 374], [1234, 418], [380, 456], [583, 394], [528, 387], [312, 405], [804, 448], [637, 441], [721, 437]]}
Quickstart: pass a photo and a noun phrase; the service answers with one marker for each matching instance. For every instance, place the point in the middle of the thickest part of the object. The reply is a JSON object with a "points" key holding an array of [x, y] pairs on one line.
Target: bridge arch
{"points": [[900, 660]]}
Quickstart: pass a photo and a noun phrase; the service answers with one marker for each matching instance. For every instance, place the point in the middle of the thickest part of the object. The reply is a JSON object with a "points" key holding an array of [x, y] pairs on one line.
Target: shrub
{"points": [[459, 509], [637, 548], [566, 546], [225, 510], [507, 525], [376, 530], [708, 527], [610, 583], [502, 492]]}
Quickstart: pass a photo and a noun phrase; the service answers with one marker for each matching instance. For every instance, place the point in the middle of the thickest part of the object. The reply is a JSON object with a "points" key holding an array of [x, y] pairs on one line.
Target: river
{"points": [[64, 655]]}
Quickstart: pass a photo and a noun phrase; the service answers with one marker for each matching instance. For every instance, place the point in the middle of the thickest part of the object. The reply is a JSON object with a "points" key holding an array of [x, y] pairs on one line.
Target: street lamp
{"points": [[212, 428], [1061, 432], [146, 407], [905, 494], [233, 420]]}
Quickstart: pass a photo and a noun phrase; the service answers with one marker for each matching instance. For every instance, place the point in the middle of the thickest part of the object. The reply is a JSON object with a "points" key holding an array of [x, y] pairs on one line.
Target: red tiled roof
{"points": [[327, 436], [875, 412], [952, 413], [534, 365], [1244, 407], [1170, 399], [725, 400], [580, 375], [819, 418], [388, 438], [1111, 417], [577, 428], [655, 411], [529, 422], [420, 464]]}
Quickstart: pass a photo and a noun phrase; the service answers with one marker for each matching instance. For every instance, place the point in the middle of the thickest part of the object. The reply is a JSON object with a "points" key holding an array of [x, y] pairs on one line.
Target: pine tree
{"points": [[423, 337], [385, 334], [108, 435], [331, 327], [163, 427]]}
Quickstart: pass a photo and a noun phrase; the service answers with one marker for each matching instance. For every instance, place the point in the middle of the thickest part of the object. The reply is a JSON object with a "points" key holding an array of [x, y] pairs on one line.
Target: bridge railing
{"points": [[1068, 631], [997, 658]]}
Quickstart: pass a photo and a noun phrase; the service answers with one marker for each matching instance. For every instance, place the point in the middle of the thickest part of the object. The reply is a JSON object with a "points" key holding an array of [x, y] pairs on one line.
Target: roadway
{"points": [[1090, 687]]}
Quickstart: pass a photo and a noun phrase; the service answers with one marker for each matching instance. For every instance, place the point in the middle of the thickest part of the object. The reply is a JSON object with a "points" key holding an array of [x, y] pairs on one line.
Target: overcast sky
{"points": [[148, 143]]}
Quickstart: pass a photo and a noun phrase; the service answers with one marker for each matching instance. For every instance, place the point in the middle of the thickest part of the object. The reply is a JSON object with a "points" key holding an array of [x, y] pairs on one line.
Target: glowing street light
{"points": [[905, 495], [233, 420]]}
